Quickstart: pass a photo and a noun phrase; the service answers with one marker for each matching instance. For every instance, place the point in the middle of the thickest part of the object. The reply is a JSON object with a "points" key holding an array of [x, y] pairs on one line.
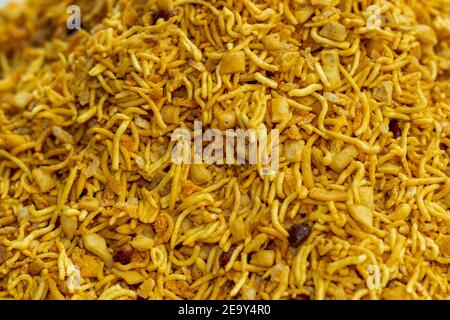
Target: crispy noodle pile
{"points": [[93, 207]]}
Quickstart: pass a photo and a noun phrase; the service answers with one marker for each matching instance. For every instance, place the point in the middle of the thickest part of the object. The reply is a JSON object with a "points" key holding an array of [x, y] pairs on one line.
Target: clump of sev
{"points": [[92, 207]]}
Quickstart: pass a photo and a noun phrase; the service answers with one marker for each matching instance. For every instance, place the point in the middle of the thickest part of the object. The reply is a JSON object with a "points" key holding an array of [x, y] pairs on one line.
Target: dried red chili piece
{"points": [[165, 14], [124, 254], [298, 234], [225, 257], [395, 128]]}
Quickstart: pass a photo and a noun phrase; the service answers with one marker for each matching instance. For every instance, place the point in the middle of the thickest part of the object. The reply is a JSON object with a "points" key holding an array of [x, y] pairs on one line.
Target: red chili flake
{"points": [[57, 222], [180, 93], [298, 234], [165, 14], [225, 257], [301, 297], [395, 128]]}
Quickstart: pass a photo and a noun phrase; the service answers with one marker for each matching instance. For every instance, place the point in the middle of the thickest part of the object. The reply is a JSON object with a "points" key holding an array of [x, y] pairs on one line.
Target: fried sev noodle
{"points": [[87, 183]]}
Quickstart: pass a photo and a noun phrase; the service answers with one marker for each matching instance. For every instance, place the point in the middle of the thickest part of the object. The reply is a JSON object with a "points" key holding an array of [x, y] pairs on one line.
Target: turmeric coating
{"points": [[93, 207]]}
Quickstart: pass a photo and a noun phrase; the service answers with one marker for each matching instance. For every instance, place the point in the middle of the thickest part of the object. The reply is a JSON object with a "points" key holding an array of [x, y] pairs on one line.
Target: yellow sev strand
{"points": [[17, 161], [116, 144]]}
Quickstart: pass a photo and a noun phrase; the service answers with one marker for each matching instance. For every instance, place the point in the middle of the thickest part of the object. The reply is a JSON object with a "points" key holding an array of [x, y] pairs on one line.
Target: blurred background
{"points": [[3, 2]]}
